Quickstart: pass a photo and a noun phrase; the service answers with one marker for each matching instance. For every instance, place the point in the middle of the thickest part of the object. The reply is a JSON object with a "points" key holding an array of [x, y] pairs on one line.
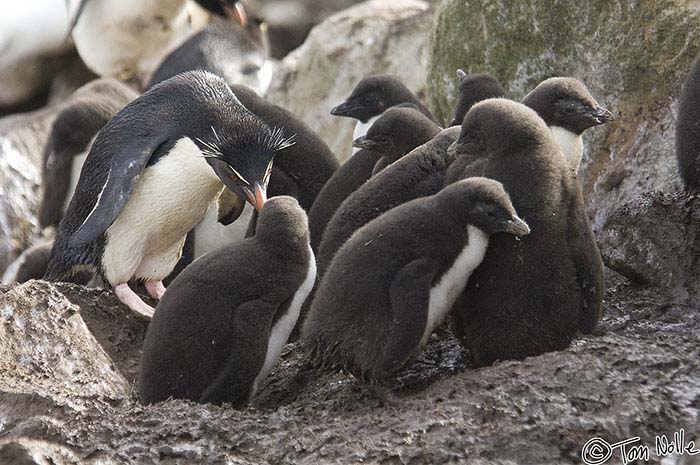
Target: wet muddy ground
{"points": [[636, 376]]}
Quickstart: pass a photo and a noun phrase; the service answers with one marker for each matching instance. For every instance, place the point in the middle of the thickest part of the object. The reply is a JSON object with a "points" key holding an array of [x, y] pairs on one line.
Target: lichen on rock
{"points": [[633, 56]]}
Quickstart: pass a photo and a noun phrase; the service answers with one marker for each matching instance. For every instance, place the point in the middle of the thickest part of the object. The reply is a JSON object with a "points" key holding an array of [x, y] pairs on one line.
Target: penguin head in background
{"points": [[243, 161], [372, 95], [566, 103], [398, 131], [474, 88], [485, 204], [499, 127], [282, 216]]}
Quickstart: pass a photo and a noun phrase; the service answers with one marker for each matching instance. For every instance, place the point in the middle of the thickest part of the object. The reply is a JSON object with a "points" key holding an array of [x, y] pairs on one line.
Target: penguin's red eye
{"points": [[237, 176]]}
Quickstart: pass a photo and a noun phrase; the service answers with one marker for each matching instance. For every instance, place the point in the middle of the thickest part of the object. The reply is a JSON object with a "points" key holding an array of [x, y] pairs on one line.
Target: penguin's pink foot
{"points": [[155, 289], [133, 301]]}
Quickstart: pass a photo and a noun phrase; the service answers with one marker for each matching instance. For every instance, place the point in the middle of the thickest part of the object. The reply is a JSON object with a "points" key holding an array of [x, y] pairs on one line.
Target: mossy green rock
{"points": [[632, 55]]}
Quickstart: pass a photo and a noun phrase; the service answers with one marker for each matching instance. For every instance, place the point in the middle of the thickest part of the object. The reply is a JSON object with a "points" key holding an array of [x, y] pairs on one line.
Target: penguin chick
{"points": [[88, 109], [426, 175], [474, 88], [532, 295], [225, 49], [31, 264], [568, 109], [394, 281], [220, 327], [418, 174], [371, 97], [688, 130], [399, 130], [151, 175], [365, 163]]}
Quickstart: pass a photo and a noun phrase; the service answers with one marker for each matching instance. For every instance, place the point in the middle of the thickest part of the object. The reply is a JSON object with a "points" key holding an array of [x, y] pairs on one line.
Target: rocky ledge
{"points": [[73, 400]]}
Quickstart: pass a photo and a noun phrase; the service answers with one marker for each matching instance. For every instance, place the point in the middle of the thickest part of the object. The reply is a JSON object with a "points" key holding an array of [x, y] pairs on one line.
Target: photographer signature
{"points": [[597, 451]]}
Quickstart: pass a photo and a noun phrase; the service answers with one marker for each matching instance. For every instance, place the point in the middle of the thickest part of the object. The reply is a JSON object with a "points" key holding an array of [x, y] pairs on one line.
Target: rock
{"points": [[377, 36], [637, 376], [632, 55], [63, 348], [655, 240], [22, 140], [290, 21], [47, 349]]}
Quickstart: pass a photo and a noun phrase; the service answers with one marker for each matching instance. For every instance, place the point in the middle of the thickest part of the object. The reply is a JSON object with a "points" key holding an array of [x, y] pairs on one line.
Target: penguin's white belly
{"points": [[171, 197], [129, 37], [452, 283], [210, 234], [283, 327], [571, 145], [361, 130], [76, 168]]}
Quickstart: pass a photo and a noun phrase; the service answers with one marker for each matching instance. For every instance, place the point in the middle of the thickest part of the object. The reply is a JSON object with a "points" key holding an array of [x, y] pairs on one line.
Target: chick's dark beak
{"points": [[601, 115], [516, 226], [257, 197], [364, 143], [346, 109]]}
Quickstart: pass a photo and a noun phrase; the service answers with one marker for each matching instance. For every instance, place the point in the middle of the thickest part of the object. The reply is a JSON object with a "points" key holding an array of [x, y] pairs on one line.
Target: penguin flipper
{"points": [[588, 265], [409, 294], [126, 165], [229, 207], [250, 328]]}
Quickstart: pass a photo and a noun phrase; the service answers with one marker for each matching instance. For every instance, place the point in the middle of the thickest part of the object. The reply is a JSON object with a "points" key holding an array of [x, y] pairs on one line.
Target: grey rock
{"points": [[633, 56], [22, 140], [46, 348], [655, 240], [377, 36]]}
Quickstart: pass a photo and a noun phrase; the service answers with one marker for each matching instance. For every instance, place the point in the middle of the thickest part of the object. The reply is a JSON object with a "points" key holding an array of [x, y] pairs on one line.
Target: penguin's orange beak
{"points": [[258, 197]]}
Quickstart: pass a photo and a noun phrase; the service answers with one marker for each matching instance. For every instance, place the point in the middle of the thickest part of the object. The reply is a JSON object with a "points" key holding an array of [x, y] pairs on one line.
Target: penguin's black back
{"points": [[203, 313], [222, 48], [418, 174], [531, 295], [308, 164], [688, 130], [350, 176], [186, 105]]}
